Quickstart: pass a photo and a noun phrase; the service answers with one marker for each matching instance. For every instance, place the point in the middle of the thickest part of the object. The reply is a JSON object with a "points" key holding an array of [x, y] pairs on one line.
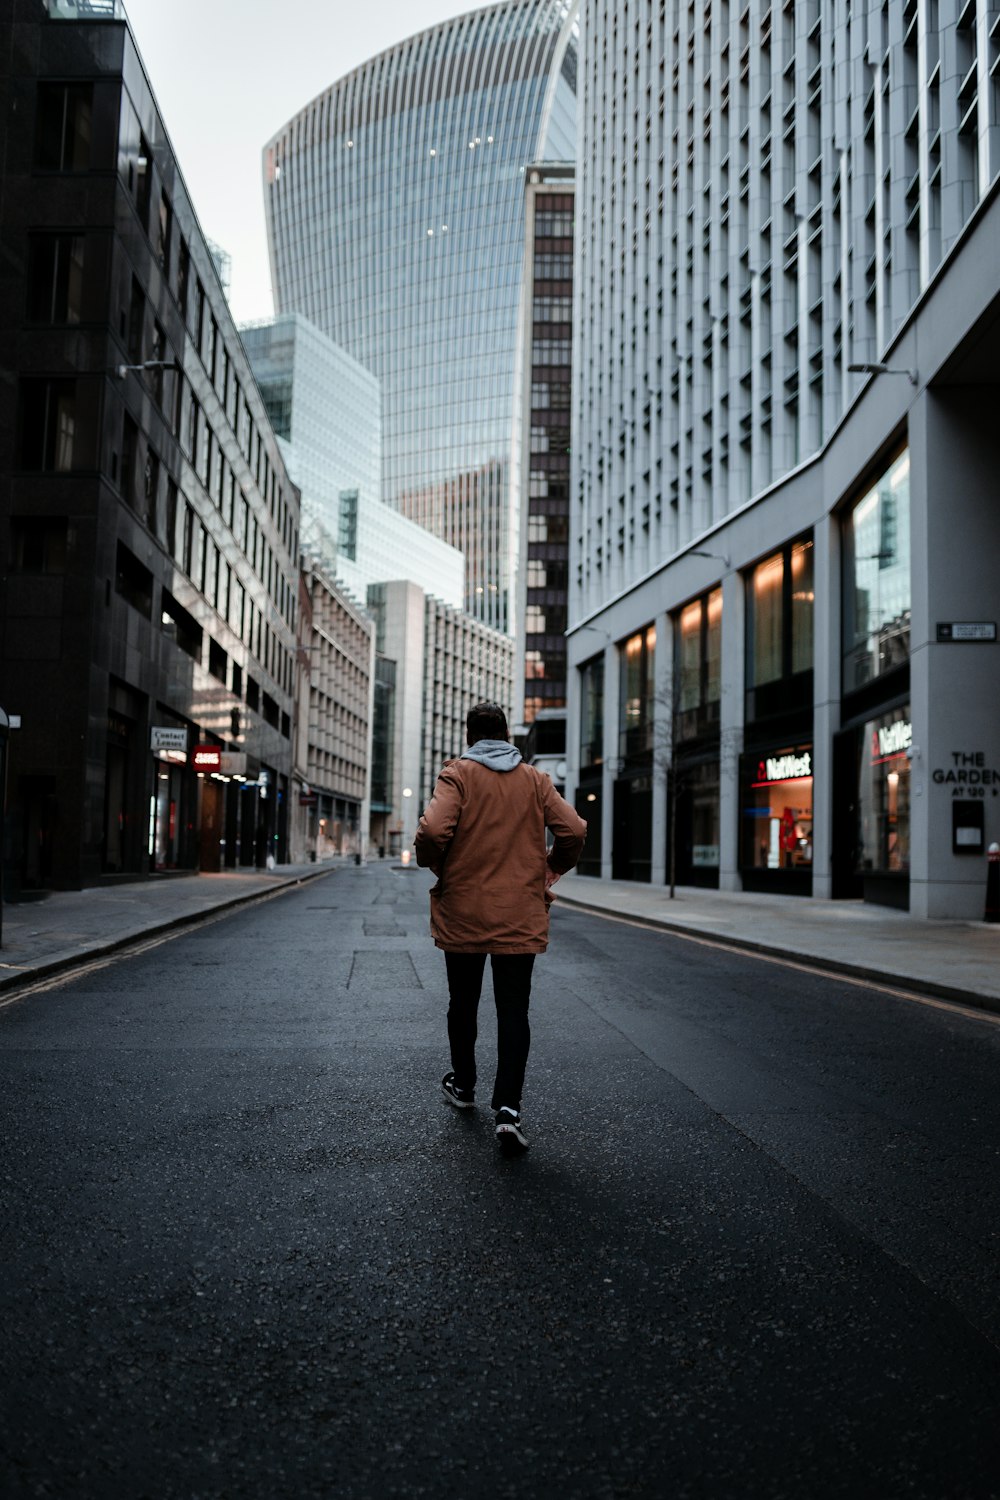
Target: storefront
{"points": [[776, 836], [776, 770]]}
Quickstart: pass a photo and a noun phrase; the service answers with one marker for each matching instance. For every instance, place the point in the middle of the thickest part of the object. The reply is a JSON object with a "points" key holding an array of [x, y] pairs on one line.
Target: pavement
{"points": [[956, 960]]}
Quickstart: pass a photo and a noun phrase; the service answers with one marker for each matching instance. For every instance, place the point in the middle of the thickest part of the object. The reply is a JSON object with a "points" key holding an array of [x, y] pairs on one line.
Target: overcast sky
{"points": [[228, 73]]}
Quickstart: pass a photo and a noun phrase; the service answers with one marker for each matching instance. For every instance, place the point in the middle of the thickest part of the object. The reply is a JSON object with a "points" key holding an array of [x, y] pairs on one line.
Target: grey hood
{"points": [[499, 755]]}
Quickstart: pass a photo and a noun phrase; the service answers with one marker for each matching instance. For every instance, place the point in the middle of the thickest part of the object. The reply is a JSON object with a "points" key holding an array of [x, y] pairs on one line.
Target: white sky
{"points": [[228, 73]]}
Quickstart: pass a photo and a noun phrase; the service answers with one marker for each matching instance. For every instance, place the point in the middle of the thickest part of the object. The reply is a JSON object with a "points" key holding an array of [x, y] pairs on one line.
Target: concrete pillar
{"points": [[611, 751], [826, 694], [955, 705], [663, 712], [731, 718]]}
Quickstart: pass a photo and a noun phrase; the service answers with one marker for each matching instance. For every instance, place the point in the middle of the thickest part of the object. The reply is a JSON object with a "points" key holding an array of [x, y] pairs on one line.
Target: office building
{"points": [[147, 521], [327, 412], [333, 728], [443, 662], [396, 224], [787, 290], [543, 464]]}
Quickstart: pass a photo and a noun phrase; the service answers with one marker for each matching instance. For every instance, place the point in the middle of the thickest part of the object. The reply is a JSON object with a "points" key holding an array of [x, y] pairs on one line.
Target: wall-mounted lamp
{"points": [[699, 552], [869, 368]]}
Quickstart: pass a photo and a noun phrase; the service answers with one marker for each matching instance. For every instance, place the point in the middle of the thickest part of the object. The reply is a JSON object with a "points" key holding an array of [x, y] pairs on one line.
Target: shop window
{"points": [[49, 437], [134, 581], [884, 794], [180, 626], [780, 608], [64, 126], [592, 712], [55, 278], [637, 667], [38, 544], [777, 800], [877, 590]]}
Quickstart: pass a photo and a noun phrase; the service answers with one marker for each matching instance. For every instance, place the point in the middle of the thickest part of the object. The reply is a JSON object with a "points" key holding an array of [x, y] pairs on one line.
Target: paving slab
{"points": [[956, 960]]}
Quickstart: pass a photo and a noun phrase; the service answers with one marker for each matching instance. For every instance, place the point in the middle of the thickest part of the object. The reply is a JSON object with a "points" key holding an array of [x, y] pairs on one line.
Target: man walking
{"points": [[483, 835]]}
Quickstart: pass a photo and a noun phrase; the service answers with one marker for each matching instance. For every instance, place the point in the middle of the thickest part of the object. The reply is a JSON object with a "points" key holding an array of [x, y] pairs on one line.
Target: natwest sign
{"points": [[207, 758], [893, 739], [792, 766]]}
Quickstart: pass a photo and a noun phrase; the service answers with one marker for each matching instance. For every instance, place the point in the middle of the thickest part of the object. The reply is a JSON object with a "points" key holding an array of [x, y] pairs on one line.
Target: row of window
{"points": [[780, 599]]}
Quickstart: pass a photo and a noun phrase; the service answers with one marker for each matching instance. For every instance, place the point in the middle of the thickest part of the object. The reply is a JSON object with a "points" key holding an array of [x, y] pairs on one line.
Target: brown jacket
{"points": [[483, 835]]}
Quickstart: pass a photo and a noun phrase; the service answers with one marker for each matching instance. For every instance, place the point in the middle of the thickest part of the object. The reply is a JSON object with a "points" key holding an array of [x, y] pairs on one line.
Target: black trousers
{"points": [[511, 991]]}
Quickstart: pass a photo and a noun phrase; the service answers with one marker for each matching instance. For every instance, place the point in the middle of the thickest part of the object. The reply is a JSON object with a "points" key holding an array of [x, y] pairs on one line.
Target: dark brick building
{"points": [[148, 528]]}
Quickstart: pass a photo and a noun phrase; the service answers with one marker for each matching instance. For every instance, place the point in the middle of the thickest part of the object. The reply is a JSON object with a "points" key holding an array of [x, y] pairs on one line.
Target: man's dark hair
{"points": [[487, 721]]}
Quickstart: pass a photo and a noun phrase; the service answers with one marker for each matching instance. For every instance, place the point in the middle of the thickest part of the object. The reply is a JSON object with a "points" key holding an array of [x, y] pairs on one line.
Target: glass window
{"points": [[777, 810], [592, 712], [766, 597], [64, 126], [698, 648], [884, 794], [38, 544], [55, 278], [877, 593], [49, 425], [637, 668]]}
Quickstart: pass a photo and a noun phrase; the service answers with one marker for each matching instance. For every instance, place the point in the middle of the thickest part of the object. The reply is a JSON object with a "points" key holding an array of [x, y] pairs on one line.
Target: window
{"points": [[134, 581], [218, 662], [64, 126], [136, 316], [38, 544], [130, 449], [49, 425], [877, 592], [55, 278], [151, 487], [179, 626], [780, 598], [183, 275], [637, 666], [163, 232], [170, 518], [592, 712]]}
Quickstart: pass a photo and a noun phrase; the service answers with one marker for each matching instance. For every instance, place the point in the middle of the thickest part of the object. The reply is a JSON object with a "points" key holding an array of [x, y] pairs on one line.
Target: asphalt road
{"points": [[250, 1251]]}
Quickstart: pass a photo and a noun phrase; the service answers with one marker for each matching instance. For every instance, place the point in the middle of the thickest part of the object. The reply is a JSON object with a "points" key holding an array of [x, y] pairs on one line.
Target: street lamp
{"points": [[869, 367], [699, 552], [147, 364]]}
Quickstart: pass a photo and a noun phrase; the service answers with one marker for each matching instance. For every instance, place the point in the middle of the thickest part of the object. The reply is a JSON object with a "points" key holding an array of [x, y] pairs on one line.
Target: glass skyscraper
{"points": [[395, 208]]}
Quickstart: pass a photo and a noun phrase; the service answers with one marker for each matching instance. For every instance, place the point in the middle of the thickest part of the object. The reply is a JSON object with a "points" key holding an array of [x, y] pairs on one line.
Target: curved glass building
{"points": [[395, 210]]}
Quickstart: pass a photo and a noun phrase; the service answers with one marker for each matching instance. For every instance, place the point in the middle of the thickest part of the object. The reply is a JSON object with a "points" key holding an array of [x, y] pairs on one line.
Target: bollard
{"points": [[992, 912]]}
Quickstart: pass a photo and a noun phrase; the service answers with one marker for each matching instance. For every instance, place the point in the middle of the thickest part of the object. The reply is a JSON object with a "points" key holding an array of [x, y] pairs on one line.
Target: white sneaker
{"points": [[510, 1132]]}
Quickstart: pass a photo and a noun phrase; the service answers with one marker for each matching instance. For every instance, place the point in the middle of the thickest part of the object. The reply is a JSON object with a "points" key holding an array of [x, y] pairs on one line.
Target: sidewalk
{"points": [[957, 960], [69, 928]]}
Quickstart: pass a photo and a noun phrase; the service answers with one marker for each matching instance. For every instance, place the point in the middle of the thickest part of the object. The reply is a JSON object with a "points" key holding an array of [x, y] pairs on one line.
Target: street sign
{"points": [[162, 737], [967, 630]]}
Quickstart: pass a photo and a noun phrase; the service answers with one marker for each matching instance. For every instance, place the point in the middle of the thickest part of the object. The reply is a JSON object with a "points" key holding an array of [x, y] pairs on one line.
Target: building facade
{"points": [[327, 412], [331, 797], [784, 352], [395, 218], [543, 464], [148, 526]]}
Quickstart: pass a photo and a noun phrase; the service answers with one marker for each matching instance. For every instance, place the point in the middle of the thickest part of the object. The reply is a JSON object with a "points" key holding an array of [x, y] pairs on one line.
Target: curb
{"points": [[47, 969], [828, 966]]}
